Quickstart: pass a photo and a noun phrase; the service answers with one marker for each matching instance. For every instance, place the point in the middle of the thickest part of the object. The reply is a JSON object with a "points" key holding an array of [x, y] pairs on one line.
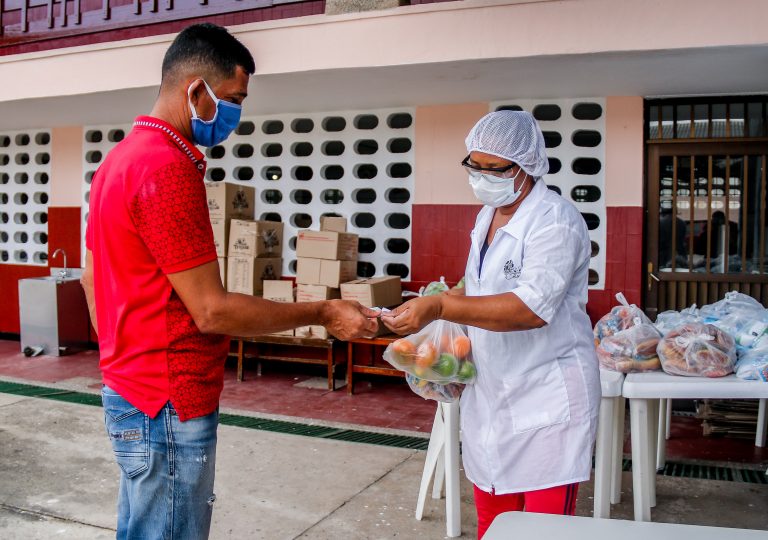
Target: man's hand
{"points": [[413, 315], [349, 320]]}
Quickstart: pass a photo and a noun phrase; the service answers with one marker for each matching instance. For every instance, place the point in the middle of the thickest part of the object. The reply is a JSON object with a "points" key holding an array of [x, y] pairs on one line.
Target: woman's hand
{"points": [[414, 315]]}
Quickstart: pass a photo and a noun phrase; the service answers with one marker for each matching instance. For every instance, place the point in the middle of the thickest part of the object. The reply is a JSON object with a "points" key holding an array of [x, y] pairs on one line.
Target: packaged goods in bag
{"points": [[669, 320], [735, 304], [631, 350], [752, 364], [619, 319], [434, 287], [697, 350], [447, 393]]}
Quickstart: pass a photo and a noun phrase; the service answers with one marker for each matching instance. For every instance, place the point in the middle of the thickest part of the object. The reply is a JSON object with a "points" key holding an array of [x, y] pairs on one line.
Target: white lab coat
{"points": [[529, 421]]}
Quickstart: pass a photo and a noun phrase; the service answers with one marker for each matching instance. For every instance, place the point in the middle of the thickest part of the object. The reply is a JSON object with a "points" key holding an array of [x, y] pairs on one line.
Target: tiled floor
{"points": [[378, 401], [383, 402]]}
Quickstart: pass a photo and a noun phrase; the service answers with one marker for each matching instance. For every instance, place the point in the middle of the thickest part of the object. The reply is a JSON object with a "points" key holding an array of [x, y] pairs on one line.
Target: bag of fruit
{"points": [[440, 353], [447, 393]]}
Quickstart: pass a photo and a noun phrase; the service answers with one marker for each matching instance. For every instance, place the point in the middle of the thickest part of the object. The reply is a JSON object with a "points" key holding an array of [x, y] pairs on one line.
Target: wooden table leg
{"points": [[350, 362], [239, 360], [331, 365]]}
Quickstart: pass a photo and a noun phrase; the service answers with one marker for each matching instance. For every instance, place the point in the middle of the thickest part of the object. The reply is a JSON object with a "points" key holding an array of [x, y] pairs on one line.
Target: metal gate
{"points": [[706, 204]]}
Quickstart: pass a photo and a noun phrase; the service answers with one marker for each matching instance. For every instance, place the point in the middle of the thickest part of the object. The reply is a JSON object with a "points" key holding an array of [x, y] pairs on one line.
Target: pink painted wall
{"points": [[439, 147], [66, 166], [624, 151]]}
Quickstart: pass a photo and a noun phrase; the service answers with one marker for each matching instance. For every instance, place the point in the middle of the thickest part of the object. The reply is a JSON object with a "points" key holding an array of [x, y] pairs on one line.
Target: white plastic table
{"points": [[644, 390], [511, 525], [609, 447], [442, 462]]}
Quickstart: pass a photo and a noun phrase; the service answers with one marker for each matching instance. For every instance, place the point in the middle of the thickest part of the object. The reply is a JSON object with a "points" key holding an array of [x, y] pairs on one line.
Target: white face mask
{"points": [[494, 191]]}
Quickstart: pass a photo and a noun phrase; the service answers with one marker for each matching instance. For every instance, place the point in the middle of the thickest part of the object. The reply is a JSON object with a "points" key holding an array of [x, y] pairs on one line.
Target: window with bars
{"points": [[742, 117]]}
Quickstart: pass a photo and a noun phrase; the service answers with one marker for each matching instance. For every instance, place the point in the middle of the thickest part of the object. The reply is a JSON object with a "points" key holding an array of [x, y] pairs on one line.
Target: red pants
{"points": [[554, 500]]}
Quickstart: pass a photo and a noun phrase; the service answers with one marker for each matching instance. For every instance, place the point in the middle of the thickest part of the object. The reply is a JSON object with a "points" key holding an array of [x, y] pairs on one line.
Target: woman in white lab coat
{"points": [[528, 423]]}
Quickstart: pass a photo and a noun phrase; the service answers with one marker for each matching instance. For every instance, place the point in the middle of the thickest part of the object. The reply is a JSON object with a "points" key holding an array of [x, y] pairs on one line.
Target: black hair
{"points": [[206, 50]]}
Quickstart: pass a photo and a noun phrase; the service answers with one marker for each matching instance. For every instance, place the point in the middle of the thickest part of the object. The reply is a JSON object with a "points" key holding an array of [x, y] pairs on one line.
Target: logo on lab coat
{"points": [[511, 270]]}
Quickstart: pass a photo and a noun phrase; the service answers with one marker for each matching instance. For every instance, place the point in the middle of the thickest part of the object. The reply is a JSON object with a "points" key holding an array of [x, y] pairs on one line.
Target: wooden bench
{"points": [[328, 359], [372, 367]]}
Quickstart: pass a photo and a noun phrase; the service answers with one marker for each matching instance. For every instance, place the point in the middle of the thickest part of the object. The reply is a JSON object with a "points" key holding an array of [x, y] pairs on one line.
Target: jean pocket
{"points": [[128, 431]]}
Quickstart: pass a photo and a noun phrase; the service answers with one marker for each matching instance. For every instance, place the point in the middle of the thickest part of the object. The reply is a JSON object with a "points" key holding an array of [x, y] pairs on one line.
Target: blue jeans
{"points": [[166, 471]]}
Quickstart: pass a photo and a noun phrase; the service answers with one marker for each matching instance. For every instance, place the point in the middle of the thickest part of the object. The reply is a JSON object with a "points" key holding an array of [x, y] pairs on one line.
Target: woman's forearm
{"points": [[499, 312]]}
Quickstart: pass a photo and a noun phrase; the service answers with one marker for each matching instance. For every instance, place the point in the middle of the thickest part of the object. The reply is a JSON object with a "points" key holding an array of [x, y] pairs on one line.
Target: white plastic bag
{"points": [[697, 350], [631, 350], [752, 364], [669, 320], [440, 354], [447, 393], [734, 303], [619, 319]]}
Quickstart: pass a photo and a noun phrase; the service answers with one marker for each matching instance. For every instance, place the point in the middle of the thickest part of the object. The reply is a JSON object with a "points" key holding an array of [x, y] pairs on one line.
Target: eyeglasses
{"points": [[495, 171]]}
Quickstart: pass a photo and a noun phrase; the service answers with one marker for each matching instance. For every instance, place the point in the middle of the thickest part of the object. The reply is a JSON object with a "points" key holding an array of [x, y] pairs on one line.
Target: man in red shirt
{"points": [[156, 298]]}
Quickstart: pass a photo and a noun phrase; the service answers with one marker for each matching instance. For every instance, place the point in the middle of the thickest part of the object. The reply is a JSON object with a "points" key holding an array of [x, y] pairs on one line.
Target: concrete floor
{"points": [[58, 480]]}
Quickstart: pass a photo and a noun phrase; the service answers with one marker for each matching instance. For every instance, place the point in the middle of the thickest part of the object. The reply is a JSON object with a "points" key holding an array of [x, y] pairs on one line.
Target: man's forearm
{"points": [[245, 316]]}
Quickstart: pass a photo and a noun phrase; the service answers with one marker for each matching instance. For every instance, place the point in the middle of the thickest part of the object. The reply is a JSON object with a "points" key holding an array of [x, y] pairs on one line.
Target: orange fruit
{"points": [[446, 344], [403, 347], [426, 355], [461, 346]]}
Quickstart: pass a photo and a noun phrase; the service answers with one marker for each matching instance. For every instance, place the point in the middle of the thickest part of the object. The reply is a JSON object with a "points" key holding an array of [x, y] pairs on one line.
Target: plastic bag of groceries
{"points": [[440, 353], [434, 287], [619, 319], [752, 364], [667, 321], [631, 350], [697, 350], [735, 305], [447, 393]]}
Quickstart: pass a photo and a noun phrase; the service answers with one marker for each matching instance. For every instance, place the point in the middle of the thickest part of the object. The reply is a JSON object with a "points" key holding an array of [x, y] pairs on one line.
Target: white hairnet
{"points": [[511, 135]]}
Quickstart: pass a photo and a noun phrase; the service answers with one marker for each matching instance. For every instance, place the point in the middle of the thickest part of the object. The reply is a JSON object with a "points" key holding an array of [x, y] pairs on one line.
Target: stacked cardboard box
{"points": [[280, 291], [254, 255], [325, 259], [383, 292], [226, 202]]}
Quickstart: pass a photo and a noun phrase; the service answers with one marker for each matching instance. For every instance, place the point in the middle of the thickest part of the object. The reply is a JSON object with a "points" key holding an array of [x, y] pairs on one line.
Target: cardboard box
{"points": [[255, 238], [315, 332], [220, 228], [325, 272], [329, 245], [279, 291], [226, 200], [332, 223], [223, 270], [246, 274], [315, 293], [374, 292]]}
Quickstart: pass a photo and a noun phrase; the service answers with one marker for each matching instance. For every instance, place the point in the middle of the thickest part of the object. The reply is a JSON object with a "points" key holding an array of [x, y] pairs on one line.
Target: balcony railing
{"points": [[43, 24]]}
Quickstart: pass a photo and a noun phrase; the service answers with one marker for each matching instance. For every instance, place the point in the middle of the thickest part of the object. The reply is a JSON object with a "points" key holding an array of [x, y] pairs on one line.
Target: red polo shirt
{"points": [[148, 217]]}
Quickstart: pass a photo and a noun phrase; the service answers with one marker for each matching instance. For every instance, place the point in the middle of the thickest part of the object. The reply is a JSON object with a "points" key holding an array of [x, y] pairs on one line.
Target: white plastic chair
{"points": [[442, 463]]}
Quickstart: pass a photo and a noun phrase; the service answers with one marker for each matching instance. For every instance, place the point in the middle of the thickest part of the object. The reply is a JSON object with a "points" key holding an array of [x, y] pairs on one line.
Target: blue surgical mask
{"points": [[494, 191], [212, 132]]}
